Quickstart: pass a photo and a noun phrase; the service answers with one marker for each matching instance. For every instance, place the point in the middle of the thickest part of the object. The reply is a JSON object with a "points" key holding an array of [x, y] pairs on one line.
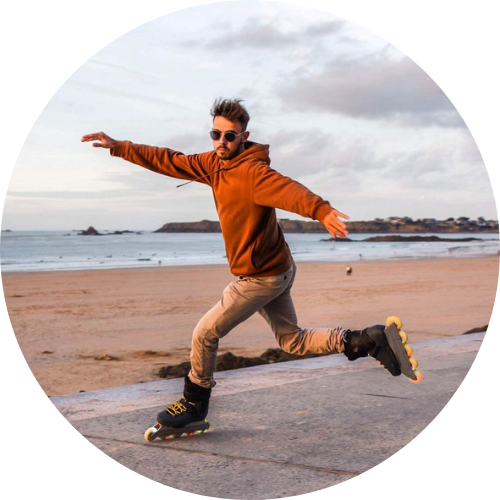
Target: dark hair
{"points": [[232, 110]]}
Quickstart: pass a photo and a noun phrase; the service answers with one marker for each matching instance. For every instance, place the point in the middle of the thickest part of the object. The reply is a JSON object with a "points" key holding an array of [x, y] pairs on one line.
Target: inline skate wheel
{"points": [[394, 319], [413, 362], [149, 433], [404, 336], [419, 377], [409, 349]]}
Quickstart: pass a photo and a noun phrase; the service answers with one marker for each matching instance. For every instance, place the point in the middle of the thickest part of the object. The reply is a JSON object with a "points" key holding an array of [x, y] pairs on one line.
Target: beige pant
{"points": [[271, 298]]}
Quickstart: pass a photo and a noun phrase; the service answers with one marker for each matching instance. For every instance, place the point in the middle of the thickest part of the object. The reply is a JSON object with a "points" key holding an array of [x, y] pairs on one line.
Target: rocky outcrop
{"points": [[398, 238], [89, 232], [392, 238], [229, 361], [479, 329]]}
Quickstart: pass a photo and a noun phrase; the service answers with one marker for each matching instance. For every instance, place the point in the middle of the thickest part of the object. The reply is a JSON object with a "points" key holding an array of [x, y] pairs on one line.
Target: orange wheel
{"points": [[414, 363], [409, 349], [419, 377]]}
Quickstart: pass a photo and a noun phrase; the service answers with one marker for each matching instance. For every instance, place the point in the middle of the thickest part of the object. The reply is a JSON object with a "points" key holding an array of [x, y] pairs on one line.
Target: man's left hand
{"points": [[334, 225]]}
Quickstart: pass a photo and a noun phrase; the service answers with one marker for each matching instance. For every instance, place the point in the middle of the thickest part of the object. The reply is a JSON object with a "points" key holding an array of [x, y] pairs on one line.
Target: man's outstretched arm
{"points": [[164, 161], [271, 189]]}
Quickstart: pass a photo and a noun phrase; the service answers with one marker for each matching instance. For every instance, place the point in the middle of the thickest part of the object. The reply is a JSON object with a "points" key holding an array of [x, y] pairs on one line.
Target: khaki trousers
{"points": [[271, 298]]}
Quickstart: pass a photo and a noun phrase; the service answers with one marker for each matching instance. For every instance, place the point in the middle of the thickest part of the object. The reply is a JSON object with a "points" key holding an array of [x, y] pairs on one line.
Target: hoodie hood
{"points": [[252, 151]]}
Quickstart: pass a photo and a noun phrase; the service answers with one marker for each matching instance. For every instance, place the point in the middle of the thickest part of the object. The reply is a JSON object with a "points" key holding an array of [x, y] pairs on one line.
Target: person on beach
{"points": [[247, 191]]}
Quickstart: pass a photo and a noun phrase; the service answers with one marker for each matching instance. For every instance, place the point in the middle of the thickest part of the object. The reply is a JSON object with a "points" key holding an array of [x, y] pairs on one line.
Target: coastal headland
{"points": [[388, 225]]}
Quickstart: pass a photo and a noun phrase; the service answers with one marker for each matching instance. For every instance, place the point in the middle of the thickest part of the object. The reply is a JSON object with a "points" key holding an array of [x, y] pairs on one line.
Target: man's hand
{"points": [[334, 225], [105, 140]]}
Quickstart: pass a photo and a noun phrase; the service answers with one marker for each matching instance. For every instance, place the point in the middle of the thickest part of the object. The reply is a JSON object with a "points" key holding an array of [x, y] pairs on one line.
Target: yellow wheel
{"points": [[394, 319], [409, 349], [414, 363], [419, 377], [404, 336]]}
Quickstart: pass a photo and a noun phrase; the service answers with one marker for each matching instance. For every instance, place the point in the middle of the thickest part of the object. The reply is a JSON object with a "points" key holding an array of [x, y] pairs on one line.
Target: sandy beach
{"points": [[85, 330]]}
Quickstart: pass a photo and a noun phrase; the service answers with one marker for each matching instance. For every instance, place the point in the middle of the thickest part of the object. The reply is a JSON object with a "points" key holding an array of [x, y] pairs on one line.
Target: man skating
{"points": [[246, 193]]}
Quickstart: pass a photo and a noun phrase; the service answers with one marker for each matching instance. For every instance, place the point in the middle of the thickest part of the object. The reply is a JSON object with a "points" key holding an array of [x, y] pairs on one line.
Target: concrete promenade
{"points": [[277, 430]]}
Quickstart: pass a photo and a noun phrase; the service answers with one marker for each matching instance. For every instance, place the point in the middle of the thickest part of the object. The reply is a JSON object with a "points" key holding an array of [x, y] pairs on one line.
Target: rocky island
{"points": [[398, 238], [91, 231]]}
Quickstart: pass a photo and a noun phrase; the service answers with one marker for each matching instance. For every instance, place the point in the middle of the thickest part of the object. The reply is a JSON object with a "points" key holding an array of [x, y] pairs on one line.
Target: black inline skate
{"points": [[387, 344], [186, 416]]}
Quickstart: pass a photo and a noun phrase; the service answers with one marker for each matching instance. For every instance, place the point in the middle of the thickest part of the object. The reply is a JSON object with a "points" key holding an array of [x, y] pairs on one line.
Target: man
{"points": [[246, 193]]}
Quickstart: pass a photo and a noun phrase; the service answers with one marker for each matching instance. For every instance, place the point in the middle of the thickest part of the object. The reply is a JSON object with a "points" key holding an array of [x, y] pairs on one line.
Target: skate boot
{"points": [[186, 416], [387, 344]]}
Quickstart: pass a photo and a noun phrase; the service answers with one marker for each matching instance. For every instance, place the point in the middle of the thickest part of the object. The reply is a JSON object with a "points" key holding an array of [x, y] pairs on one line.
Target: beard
{"points": [[225, 154]]}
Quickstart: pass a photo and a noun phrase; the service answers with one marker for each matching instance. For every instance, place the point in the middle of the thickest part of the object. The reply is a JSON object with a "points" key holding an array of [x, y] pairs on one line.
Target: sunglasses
{"points": [[229, 136]]}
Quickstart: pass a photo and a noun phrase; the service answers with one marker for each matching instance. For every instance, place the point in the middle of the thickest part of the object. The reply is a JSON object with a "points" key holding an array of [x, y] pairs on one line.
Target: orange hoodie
{"points": [[246, 191]]}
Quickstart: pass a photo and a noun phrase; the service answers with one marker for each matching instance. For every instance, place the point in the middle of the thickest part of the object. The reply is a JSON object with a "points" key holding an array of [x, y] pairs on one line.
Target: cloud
{"points": [[374, 88], [268, 35], [190, 143], [334, 163]]}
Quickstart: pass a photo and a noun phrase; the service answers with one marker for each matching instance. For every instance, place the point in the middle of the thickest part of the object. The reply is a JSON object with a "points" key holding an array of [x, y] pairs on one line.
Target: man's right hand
{"points": [[104, 140]]}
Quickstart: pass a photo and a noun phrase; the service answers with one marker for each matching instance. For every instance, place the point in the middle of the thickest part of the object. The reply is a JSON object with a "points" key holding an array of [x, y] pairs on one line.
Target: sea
{"points": [[67, 250]]}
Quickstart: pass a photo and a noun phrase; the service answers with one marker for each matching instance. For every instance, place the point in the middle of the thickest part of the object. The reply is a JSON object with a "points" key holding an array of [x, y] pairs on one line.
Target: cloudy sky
{"points": [[344, 112]]}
